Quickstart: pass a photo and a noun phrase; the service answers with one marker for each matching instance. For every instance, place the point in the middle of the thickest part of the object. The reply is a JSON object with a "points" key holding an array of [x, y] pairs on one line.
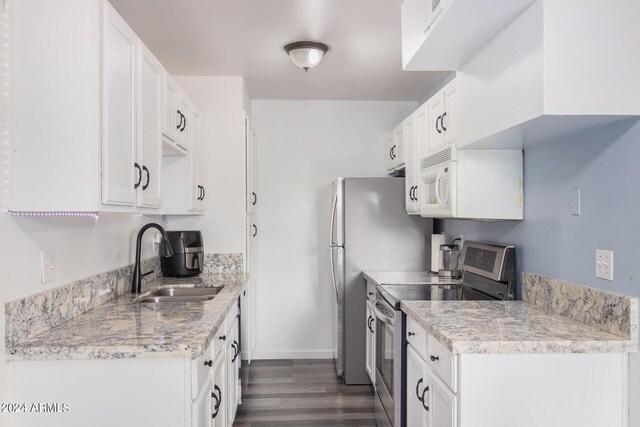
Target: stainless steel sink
{"points": [[179, 294], [186, 292]]}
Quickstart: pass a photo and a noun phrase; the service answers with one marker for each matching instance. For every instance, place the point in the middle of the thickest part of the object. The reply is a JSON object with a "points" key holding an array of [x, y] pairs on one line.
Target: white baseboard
{"points": [[293, 354]]}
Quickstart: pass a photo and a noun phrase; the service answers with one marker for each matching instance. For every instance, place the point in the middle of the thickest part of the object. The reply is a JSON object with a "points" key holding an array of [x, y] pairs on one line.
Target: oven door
{"points": [[438, 191], [387, 363]]}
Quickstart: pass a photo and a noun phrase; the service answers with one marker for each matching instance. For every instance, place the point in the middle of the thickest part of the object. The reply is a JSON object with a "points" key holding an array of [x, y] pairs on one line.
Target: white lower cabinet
{"points": [[444, 389], [157, 391]]}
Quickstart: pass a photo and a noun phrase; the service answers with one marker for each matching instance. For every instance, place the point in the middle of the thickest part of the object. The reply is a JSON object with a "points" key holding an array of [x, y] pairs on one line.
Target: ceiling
{"points": [[246, 37]]}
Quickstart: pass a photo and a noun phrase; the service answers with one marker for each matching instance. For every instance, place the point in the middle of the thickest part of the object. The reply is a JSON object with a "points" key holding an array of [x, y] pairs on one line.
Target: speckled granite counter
{"points": [[405, 277], [123, 328], [509, 327]]}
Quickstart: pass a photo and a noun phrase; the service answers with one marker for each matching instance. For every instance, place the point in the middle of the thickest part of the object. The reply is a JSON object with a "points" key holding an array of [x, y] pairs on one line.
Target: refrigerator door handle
{"points": [[333, 221], [333, 274]]}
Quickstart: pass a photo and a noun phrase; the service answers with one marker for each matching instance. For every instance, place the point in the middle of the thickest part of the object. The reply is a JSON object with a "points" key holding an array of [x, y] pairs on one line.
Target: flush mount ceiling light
{"points": [[306, 54]]}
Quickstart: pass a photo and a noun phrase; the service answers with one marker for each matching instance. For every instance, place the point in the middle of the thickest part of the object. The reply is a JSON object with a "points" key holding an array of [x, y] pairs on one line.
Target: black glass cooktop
{"points": [[393, 294]]}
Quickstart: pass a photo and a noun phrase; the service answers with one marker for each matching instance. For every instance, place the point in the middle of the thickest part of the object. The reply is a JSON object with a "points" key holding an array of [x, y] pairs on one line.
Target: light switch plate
{"points": [[48, 266], [604, 264]]}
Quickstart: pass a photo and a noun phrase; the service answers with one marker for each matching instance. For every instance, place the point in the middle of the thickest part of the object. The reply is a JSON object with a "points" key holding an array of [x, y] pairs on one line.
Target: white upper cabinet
{"points": [[395, 149], [443, 34], [90, 125], [388, 152], [149, 143], [250, 144], [442, 119], [197, 162], [121, 175], [559, 68], [411, 168]]}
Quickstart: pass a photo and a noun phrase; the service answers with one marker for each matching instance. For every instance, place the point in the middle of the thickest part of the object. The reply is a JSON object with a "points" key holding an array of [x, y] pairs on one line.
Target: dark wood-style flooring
{"points": [[301, 393]]}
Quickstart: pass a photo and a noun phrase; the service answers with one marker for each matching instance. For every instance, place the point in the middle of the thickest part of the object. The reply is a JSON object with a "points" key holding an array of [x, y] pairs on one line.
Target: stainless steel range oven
{"points": [[489, 275]]}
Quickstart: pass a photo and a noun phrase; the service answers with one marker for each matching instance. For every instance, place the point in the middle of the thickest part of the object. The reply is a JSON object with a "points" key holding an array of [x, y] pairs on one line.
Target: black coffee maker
{"points": [[188, 254]]}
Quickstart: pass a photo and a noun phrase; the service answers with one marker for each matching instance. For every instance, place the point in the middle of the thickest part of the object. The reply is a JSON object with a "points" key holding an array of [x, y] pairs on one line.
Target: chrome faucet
{"points": [[165, 251]]}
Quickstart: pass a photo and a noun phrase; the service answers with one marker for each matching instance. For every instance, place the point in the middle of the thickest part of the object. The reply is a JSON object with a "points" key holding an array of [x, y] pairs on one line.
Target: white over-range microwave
{"points": [[478, 184]]}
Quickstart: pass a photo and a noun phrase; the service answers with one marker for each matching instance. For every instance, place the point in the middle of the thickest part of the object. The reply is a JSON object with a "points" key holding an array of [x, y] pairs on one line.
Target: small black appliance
{"points": [[188, 254]]}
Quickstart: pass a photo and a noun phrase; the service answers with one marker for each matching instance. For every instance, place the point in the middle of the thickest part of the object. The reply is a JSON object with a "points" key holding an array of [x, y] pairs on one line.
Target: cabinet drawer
{"points": [[417, 337], [443, 363], [222, 335], [201, 369], [371, 291]]}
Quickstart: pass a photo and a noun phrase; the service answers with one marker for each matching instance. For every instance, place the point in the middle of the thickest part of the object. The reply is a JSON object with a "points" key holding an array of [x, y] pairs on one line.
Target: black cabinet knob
{"points": [[371, 293], [208, 363], [410, 334], [434, 358], [224, 338]]}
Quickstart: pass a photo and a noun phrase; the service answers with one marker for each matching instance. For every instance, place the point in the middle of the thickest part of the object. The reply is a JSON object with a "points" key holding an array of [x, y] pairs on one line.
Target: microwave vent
{"points": [[436, 159]]}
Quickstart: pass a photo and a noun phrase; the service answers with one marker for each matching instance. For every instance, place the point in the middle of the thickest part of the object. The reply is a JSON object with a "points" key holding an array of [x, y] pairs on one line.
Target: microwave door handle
{"points": [[438, 177]]}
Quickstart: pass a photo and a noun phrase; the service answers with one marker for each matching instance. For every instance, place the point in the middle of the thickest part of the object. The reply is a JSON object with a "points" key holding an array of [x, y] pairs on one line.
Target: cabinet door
{"points": [[149, 143], [201, 144], [233, 360], [398, 146], [172, 121], [120, 175], [443, 403], [388, 152], [436, 132], [417, 391], [219, 392], [197, 160], [248, 309], [369, 349], [252, 196], [449, 121], [202, 406], [421, 150], [184, 113], [411, 175]]}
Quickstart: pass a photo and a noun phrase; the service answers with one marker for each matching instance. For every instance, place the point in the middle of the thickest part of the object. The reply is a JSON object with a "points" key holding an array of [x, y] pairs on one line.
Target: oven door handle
{"points": [[380, 315]]}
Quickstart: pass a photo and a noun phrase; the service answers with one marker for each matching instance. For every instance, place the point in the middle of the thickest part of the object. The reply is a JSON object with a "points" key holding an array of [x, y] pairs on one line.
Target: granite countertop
{"points": [[405, 278], [123, 328], [509, 327]]}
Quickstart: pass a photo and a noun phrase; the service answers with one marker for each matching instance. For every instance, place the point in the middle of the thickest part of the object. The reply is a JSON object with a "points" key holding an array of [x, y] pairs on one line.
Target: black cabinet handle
{"points": [[208, 363], [391, 153], [371, 320], [144, 187], [181, 118], [255, 198], [204, 193], [412, 192], [255, 230], [438, 120], [235, 347], [419, 395], [434, 358], [199, 192], [415, 197], [442, 121], [223, 338], [218, 397], [137, 184], [184, 123], [423, 399]]}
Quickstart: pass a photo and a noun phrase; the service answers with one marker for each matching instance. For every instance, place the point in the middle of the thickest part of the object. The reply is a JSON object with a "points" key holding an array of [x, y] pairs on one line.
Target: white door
{"points": [[388, 152], [436, 131], [411, 183], [233, 359], [185, 122], [449, 118], [121, 176], [417, 391], [219, 392], [369, 346], [149, 143], [398, 145], [202, 406], [172, 121], [442, 402]]}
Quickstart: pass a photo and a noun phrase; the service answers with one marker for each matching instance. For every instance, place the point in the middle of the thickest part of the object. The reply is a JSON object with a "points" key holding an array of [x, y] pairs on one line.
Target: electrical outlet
{"points": [[48, 266], [604, 264]]}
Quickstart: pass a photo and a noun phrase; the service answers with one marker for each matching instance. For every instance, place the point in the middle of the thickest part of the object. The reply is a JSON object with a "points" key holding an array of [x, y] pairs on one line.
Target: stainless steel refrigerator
{"points": [[370, 230]]}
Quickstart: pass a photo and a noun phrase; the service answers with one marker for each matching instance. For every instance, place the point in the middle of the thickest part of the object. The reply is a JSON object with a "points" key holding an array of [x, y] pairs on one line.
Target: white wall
{"points": [[301, 147], [84, 246], [222, 100]]}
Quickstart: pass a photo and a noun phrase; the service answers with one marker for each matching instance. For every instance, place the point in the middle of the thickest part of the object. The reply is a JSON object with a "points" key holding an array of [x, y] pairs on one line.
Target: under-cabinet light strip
{"points": [[91, 214]]}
